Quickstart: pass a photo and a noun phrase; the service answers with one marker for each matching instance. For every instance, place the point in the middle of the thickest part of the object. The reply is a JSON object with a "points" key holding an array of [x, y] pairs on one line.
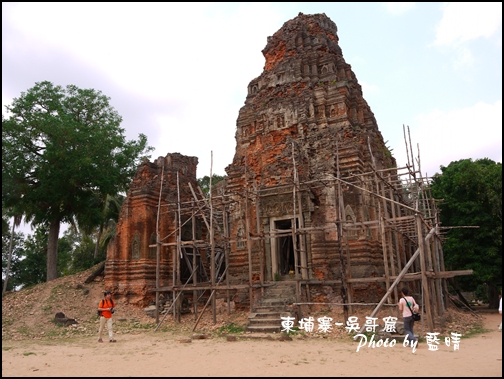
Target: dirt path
{"points": [[161, 354]]}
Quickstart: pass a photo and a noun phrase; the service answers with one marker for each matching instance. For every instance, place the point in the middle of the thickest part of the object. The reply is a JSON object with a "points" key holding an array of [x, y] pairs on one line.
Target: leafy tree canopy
{"points": [[471, 194], [62, 149], [204, 182]]}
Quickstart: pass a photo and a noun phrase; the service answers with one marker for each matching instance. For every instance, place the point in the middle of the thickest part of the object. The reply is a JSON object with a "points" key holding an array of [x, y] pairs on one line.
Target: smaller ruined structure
{"points": [[132, 261]]}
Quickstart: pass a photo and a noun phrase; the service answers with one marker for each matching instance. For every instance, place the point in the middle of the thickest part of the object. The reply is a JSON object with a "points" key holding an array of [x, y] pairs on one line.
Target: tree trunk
{"points": [[52, 250], [455, 286], [493, 297], [9, 259], [98, 241], [98, 271]]}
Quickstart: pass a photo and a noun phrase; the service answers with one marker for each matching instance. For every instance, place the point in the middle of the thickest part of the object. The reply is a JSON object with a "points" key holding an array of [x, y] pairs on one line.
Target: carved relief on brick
{"points": [[241, 241], [135, 247]]}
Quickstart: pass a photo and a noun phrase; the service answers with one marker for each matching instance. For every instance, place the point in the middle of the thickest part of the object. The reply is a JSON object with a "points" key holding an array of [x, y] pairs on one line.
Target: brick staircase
{"points": [[266, 314]]}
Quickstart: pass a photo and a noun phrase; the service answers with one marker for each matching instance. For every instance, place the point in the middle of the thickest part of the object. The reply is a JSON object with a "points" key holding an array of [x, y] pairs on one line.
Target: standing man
{"points": [[105, 309]]}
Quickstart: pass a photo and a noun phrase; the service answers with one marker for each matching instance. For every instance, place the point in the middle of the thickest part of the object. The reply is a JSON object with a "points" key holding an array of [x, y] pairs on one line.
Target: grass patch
{"points": [[292, 331], [143, 326], [7, 321], [29, 353], [231, 328], [475, 330], [47, 308], [24, 330], [6, 348]]}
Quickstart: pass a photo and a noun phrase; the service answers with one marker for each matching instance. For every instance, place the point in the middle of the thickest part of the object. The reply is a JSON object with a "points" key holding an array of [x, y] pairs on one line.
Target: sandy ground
{"points": [[162, 354]]}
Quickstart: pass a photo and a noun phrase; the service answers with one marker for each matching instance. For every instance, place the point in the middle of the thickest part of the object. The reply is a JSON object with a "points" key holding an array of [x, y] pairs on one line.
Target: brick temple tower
{"points": [[305, 121]]}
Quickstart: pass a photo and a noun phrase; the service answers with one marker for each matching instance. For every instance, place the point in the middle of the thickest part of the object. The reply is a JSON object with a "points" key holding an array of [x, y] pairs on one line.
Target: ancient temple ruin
{"points": [[312, 198]]}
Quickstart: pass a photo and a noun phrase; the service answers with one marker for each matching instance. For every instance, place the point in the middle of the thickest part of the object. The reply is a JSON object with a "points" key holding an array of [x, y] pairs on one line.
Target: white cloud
{"points": [[369, 89], [467, 21], [398, 8], [463, 58], [445, 136]]}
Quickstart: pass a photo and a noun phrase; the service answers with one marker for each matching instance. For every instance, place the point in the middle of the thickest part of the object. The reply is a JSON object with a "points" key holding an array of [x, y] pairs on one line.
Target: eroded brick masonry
{"points": [[304, 123]]}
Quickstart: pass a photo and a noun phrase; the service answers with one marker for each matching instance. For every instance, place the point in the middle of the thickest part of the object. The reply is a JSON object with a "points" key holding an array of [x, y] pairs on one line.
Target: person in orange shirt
{"points": [[106, 309]]}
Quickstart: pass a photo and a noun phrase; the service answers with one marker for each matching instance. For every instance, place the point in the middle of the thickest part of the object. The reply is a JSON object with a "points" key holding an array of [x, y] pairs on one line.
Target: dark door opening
{"points": [[285, 248]]}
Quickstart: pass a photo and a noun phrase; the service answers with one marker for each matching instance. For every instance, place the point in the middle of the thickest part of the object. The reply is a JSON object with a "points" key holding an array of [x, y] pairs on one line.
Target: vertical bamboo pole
{"points": [[381, 221], [174, 269], [247, 232], [437, 266], [158, 245], [194, 260], [212, 242], [386, 232], [393, 238], [411, 150], [226, 251], [293, 227], [302, 247], [249, 248], [432, 287], [339, 228], [258, 231], [179, 241], [349, 274], [425, 285]]}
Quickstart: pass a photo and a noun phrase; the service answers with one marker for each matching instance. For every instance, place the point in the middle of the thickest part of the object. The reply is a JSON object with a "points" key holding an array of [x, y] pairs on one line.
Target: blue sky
{"points": [[179, 72]]}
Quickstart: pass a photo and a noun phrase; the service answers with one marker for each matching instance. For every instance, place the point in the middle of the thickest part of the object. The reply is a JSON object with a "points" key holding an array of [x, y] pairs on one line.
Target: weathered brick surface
{"points": [[305, 102], [131, 265], [304, 107]]}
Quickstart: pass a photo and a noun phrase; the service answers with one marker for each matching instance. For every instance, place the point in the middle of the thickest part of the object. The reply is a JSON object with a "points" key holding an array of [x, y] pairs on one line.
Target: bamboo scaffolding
{"points": [[396, 211]]}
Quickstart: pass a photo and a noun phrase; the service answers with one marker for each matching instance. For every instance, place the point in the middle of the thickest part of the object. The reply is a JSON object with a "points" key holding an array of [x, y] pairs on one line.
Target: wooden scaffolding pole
{"points": [[247, 232], [226, 253], [212, 242], [339, 223], [299, 215], [394, 239], [194, 261], [176, 308], [158, 244], [259, 233], [425, 284]]}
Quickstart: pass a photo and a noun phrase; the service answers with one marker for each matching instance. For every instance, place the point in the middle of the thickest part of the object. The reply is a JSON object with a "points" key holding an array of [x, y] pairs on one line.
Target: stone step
{"points": [[274, 301], [268, 314], [264, 328], [280, 290], [265, 321], [280, 295], [266, 309]]}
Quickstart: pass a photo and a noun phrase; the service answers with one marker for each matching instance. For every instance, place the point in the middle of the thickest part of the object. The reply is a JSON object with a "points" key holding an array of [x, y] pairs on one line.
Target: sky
{"points": [[178, 72]]}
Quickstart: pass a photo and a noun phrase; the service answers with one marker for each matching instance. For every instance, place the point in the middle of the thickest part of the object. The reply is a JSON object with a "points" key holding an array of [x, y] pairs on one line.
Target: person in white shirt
{"points": [[500, 311]]}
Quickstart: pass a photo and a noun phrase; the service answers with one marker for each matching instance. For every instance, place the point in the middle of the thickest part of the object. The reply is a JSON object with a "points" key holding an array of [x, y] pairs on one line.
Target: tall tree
{"points": [[62, 148], [472, 196], [204, 182]]}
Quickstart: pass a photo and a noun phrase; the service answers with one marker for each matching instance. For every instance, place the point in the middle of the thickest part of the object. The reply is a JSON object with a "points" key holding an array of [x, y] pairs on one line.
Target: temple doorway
{"points": [[284, 249]]}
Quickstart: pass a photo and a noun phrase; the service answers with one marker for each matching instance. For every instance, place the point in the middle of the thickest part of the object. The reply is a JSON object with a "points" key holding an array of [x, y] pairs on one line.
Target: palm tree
{"points": [[110, 216], [15, 222]]}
